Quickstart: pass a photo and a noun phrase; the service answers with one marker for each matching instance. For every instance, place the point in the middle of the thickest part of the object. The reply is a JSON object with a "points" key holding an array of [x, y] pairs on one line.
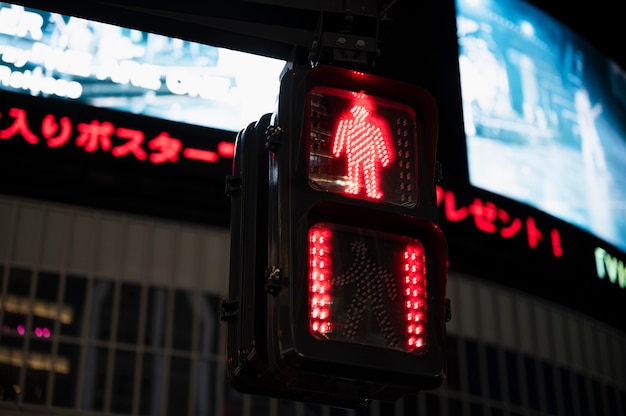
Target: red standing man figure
{"points": [[364, 138]]}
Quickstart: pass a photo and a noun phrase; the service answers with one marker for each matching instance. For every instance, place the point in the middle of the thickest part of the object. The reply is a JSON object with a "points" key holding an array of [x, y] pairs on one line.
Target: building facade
{"points": [[109, 313]]}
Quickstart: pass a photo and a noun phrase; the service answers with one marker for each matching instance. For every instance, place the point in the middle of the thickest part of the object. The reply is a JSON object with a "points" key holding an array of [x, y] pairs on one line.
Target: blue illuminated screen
{"points": [[102, 65], [544, 114]]}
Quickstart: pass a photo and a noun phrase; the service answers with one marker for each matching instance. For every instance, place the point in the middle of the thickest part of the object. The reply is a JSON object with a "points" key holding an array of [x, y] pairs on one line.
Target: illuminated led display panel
{"points": [[544, 115], [361, 146], [51, 55], [367, 288]]}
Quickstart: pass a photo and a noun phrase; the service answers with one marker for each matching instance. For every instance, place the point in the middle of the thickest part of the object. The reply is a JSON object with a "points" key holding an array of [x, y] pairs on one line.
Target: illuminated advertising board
{"points": [[112, 117], [534, 190], [52, 55], [544, 116]]}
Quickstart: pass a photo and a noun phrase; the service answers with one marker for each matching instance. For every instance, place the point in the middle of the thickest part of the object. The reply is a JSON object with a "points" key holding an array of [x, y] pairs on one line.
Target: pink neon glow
{"points": [[42, 332], [21, 330], [203, 155], [415, 296], [134, 139], [364, 138], [320, 267], [226, 149], [555, 237]]}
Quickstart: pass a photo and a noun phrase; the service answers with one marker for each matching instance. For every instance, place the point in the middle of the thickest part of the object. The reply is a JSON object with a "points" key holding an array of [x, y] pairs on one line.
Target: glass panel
{"points": [[155, 321], [387, 408], [94, 378], [101, 310], [47, 286], [36, 386], [13, 323], [613, 400], [233, 400], [151, 392], [453, 380], [512, 369], [183, 319], [409, 403], [130, 303], [532, 382], [40, 349], [597, 398], [66, 376], [290, 408], [334, 411], [9, 380], [363, 411], [433, 405], [476, 409], [178, 394], [473, 368], [583, 395], [550, 388], [568, 397], [259, 405], [123, 378], [493, 373], [206, 386], [208, 321], [455, 407], [73, 305], [12, 342]]}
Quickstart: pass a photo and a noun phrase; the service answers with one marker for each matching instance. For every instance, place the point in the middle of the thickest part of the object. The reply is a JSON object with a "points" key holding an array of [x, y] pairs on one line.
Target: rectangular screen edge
{"points": [[102, 65], [544, 115]]}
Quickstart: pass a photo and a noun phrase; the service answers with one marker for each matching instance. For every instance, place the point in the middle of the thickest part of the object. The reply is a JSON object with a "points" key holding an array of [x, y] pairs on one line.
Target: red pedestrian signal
{"points": [[367, 152], [338, 269], [358, 295]]}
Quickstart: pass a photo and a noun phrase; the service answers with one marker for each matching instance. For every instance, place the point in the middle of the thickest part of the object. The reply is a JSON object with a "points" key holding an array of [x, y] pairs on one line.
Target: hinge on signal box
{"points": [[228, 310], [273, 280]]}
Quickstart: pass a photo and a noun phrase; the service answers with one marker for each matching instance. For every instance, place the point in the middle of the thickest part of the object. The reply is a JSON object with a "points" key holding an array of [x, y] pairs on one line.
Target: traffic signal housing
{"points": [[338, 269]]}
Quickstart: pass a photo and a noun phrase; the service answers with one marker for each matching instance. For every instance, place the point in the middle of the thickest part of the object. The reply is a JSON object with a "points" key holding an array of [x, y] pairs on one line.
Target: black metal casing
{"points": [[271, 350]]}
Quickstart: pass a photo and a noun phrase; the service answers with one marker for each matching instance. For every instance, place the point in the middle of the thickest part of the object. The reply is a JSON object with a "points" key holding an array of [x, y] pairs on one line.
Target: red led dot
{"points": [[415, 295], [319, 265]]}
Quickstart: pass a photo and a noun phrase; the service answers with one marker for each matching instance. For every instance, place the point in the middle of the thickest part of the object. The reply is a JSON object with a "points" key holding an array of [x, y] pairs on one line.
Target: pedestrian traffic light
{"points": [[338, 269]]}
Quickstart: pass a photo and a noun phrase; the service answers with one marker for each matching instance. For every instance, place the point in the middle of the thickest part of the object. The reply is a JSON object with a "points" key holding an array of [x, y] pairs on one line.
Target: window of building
{"points": [[129, 307], [101, 310]]}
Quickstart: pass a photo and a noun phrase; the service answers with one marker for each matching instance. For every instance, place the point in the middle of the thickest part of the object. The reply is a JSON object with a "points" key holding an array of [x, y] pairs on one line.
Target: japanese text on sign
{"points": [[490, 218], [105, 136]]}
